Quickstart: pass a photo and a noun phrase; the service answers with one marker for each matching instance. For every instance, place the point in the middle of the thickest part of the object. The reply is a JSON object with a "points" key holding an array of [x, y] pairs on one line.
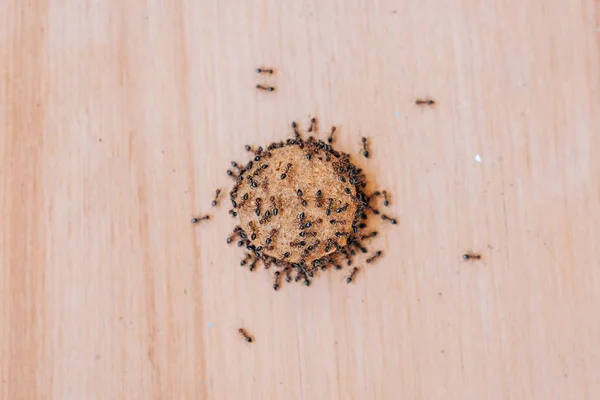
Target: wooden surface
{"points": [[119, 118]]}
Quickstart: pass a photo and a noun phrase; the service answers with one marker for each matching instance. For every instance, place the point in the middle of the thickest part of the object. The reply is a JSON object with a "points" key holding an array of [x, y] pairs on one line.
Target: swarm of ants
{"points": [[334, 251], [315, 252]]}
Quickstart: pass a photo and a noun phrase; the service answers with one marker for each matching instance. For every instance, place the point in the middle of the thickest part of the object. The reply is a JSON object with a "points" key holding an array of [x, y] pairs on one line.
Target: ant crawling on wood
{"points": [[425, 102], [267, 88], [245, 335], [469, 256], [265, 70]]}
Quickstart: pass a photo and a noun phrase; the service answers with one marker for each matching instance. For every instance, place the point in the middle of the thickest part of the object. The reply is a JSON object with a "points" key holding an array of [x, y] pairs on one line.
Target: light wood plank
{"points": [[119, 118]]}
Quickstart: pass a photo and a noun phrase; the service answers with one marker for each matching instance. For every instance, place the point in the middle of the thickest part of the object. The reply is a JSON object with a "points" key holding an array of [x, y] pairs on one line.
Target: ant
{"points": [[352, 274], [264, 70], [257, 210], [236, 165], [296, 131], [330, 138], [342, 209], [425, 102], [385, 197], [215, 201], [329, 203], [276, 284], [275, 209], [364, 144], [374, 257], [287, 169], [288, 278], [471, 256], [313, 125], [392, 220], [245, 259], [245, 335], [304, 202], [195, 220], [267, 88], [253, 264]]}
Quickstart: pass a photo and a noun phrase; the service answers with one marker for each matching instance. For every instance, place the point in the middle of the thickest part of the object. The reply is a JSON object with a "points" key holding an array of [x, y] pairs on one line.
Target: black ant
{"points": [[364, 144], [275, 209], [342, 209], [195, 220], [392, 220], [471, 256], [288, 278], [304, 202], [236, 165], [245, 259], [264, 70], [267, 88], [253, 263], [329, 203], [245, 335], [352, 274], [276, 284], [215, 201], [296, 131], [425, 102], [313, 125], [287, 169], [257, 210], [330, 138], [385, 197], [374, 257]]}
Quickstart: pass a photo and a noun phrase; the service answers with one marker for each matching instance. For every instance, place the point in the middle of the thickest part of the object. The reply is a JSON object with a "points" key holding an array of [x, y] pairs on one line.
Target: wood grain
{"points": [[119, 118]]}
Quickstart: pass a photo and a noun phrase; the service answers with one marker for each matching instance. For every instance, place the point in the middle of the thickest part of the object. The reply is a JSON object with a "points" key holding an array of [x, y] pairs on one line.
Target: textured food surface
{"points": [[309, 172]]}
